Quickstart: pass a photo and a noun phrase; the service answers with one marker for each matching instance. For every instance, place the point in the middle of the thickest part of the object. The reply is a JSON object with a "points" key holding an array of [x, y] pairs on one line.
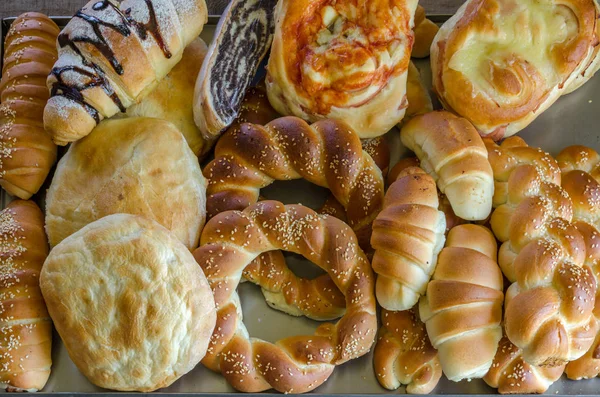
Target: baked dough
{"points": [[342, 60], [501, 63], [130, 303], [172, 99], [139, 166]]}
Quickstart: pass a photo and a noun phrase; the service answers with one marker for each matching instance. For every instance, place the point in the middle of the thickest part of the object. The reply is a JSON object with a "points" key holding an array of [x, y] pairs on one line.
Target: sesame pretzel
{"points": [[327, 153], [230, 241]]}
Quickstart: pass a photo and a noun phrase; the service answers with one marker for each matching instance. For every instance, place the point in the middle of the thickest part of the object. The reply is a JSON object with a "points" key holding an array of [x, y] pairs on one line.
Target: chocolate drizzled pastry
{"points": [[111, 54], [242, 39]]}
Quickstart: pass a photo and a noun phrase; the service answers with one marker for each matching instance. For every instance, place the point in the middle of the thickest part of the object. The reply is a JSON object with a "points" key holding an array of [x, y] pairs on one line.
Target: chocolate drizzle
{"points": [[96, 76], [151, 27], [242, 43]]}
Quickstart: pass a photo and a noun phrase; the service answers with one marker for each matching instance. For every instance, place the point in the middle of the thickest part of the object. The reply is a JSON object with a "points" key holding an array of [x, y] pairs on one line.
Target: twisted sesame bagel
{"points": [[581, 158], [327, 153], [230, 241], [510, 154], [511, 374], [403, 354], [318, 298]]}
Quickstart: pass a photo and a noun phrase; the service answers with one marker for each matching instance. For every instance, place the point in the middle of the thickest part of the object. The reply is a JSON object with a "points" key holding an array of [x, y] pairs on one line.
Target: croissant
{"points": [[462, 309], [345, 60], [403, 354], [451, 151], [111, 55], [26, 150], [425, 31], [585, 193], [501, 63], [510, 374], [417, 95], [25, 326], [407, 236]]}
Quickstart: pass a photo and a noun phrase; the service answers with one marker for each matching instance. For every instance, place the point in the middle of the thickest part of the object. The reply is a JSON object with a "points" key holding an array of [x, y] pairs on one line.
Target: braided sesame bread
{"points": [[510, 374], [585, 193], [318, 298], [510, 154], [462, 309], [25, 326], [407, 236], [230, 241], [579, 157], [452, 152], [327, 153], [112, 54], [403, 354], [26, 150]]}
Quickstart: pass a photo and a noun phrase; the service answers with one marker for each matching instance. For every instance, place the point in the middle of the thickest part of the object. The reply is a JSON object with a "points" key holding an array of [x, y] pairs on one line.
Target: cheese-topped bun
{"points": [[344, 60], [130, 303], [501, 63], [139, 166]]}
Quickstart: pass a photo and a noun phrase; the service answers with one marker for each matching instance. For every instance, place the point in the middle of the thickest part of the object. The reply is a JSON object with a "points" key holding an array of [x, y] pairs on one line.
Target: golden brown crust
{"points": [[139, 313], [463, 306], [452, 152], [510, 374], [424, 31], [578, 157], [230, 241], [417, 95], [510, 154], [327, 153], [549, 305], [585, 193], [171, 100], [25, 326], [26, 150], [139, 166], [403, 354], [342, 60], [501, 91], [113, 54], [407, 235]]}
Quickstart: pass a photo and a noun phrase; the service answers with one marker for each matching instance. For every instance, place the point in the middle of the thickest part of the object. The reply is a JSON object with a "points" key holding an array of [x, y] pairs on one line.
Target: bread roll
{"points": [[403, 354], [344, 61], [139, 313], [417, 95], [26, 150], [111, 55], [585, 193], [171, 100], [425, 31], [451, 151], [139, 166], [510, 374], [25, 326], [462, 309], [501, 63], [241, 41], [407, 236]]}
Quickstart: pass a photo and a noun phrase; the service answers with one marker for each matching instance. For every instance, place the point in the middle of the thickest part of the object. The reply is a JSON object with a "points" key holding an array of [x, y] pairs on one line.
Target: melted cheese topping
{"points": [[347, 51], [522, 34]]}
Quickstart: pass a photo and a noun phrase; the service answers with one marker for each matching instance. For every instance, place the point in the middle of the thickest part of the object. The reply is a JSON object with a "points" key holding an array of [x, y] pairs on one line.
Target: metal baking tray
{"points": [[573, 119]]}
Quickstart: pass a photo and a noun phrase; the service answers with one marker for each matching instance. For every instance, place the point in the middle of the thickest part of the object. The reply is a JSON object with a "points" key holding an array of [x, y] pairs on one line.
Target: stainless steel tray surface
{"points": [[574, 119]]}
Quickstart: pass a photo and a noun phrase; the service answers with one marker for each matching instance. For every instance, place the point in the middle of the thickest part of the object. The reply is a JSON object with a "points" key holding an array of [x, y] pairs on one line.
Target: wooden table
{"points": [[10, 8]]}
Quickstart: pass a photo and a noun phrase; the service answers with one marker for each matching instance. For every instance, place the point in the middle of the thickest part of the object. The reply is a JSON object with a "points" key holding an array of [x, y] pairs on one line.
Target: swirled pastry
{"points": [[500, 63], [342, 60]]}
